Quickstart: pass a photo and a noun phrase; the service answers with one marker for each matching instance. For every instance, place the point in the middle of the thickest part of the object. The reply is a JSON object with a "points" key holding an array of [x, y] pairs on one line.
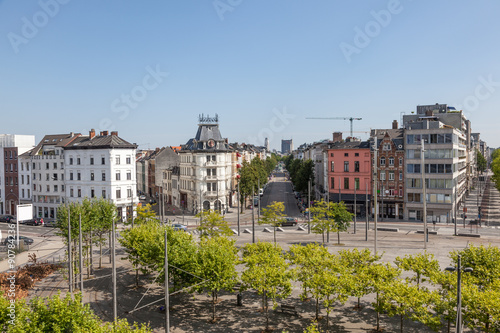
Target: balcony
{"points": [[211, 163], [213, 194]]}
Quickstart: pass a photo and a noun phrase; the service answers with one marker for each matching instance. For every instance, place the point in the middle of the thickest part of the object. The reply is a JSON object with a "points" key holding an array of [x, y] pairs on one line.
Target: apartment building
{"points": [[102, 166], [14, 186], [205, 169]]}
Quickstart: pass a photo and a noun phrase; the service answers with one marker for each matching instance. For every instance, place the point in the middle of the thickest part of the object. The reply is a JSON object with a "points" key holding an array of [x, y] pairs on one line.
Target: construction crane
{"points": [[338, 118]]}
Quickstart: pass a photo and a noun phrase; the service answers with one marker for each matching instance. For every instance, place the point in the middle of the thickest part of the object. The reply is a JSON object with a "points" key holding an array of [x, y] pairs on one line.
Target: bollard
{"points": [[239, 298]]}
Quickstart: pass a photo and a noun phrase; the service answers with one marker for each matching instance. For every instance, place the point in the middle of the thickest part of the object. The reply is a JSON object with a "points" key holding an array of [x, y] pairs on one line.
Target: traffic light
{"points": [[465, 216]]}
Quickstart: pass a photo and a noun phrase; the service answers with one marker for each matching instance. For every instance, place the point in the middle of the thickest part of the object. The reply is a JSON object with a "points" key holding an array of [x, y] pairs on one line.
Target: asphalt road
{"points": [[281, 190]]}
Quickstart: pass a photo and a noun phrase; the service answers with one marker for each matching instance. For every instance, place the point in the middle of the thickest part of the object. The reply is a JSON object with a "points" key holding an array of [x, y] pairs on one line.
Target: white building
{"points": [[205, 169], [13, 187], [102, 166]]}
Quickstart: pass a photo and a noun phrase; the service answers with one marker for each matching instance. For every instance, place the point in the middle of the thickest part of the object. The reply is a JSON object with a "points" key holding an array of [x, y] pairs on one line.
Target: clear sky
{"points": [[148, 68]]}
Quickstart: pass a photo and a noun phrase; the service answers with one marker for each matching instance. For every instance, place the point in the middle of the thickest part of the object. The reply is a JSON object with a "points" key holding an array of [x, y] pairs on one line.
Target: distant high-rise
{"points": [[286, 146], [266, 144]]}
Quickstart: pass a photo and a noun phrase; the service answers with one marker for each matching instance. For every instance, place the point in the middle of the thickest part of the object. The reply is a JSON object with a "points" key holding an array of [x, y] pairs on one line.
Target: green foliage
{"points": [[144, 214], [300, 173], [145, 246], [422, 264], [481, 163], [483, 260], [216, 262], [330, 217], [273, 215], [267, 272], [213, 224], [495, 167], [60, 314]]}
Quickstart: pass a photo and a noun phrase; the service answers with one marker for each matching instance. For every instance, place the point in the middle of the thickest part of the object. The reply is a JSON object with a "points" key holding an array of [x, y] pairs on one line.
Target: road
{"points": [[281, 190]]}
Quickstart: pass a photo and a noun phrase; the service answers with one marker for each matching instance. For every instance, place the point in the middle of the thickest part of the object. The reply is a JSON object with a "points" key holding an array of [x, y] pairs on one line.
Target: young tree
{"points": [[341, 218], [422, 264], [267, 272], [213, 224], [321, 218], [248, 182], [408, 301], [481, 163], [357, 264], [216, 262], [144, 213], [381, 276], [273, 215]]}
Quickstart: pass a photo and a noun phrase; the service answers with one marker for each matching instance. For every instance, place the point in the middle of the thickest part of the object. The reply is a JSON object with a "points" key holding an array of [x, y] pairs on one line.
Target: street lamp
{"points": [[459, 290]]}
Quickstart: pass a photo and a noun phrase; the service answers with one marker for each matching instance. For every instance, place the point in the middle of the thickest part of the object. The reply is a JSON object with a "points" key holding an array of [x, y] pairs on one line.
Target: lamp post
{"points": [[459, 290], [424, 195]]}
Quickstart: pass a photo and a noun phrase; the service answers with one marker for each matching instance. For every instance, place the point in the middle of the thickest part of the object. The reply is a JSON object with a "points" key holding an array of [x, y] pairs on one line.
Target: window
{"points": [[386, 146], [47, 166], [346, 166], [129, 193], [346, 183], [71, 176], [346, 154], [400, 175], [47, 176], [34, 166], [103, 176], [22, 191], [54, 176], [400, 161], [55, 165], [356, 154], [92, 175], [356, 166], [117, 160], [103, 194], [103, 161], [391, 175], [129, 175], [28, 179], [22, 180], [91, 161], [48, 188], [62, 176], [71, 192], [391, 160], [78, 176], [128, 160], [118, 193], [332, 166], [118, 175], [71, 161], [78, 161], [382, 160], [332, 183], [79, 192], [356, 183], [414, 197], [55, 188], [92, 193], [382, 176]]}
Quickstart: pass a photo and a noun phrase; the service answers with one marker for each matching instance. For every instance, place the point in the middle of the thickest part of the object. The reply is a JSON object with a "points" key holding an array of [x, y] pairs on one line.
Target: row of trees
{"points": [[300, 172], [424, 293], [254, 173], [495, 167]]}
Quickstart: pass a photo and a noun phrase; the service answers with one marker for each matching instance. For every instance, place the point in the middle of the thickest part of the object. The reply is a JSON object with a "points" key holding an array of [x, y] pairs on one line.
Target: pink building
{"points": [[349, 172]]}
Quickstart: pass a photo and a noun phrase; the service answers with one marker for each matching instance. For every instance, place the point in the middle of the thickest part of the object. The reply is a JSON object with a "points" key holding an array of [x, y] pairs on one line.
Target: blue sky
{"points": [[148, 69]]}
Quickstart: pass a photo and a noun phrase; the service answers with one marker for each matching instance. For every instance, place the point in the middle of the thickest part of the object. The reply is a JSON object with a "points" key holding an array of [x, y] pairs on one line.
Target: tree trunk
{"points": [[213, 305], [100, 253], [91, 254], [327, 315], [338, 237], [267, 312], [359, 301], [449, 324], [109, 234], [378, 315], [401, 323], [274, 236], [317, 308], [323, 234]]}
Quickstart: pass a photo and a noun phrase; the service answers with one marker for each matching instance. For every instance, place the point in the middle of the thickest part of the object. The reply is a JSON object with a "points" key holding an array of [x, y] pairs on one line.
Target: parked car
{"points": [[178, 226], [142, 197], [7, 218], [13, 240], [261, 192], [35, 221], [289, 221], [50, 223]]}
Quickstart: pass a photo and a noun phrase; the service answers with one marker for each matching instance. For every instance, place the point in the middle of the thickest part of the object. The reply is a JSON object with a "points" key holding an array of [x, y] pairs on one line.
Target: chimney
{"points": [[71, 134], [337, 136], [101, 134], [115, 133], [395, 124], [105, 133], [92, 134]]}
